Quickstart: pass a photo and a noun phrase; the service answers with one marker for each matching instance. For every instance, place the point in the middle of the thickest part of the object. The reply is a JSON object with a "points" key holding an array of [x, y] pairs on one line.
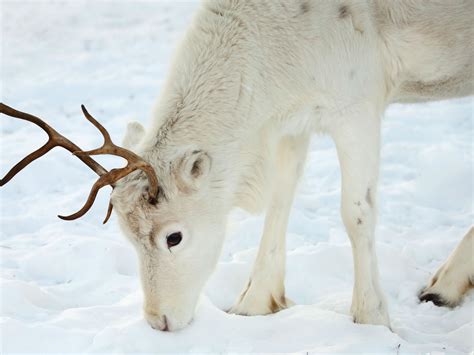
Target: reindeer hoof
{"points": [[375, 315], [437, 299]]}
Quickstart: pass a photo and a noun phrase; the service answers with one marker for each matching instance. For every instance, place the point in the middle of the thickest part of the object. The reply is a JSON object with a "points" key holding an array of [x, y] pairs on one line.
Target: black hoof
{"points": [[433, 297]]}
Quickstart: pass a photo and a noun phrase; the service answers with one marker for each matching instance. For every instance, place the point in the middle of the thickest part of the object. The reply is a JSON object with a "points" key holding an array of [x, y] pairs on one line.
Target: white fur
{"points": [[251, 81]]}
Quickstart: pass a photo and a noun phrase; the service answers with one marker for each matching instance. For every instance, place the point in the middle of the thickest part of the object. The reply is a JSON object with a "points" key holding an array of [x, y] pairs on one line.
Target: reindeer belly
{"points": [[457, 85]]}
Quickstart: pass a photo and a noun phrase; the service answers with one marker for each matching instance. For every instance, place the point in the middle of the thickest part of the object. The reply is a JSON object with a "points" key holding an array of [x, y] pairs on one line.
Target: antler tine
{"points": [[91, 119], [10, 111], [134, 162], [100, 183], [25, 161], [109, 212]]}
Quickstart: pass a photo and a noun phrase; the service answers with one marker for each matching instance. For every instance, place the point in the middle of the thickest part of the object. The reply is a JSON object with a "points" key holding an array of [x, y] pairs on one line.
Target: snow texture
{"points": [[74, 287]]}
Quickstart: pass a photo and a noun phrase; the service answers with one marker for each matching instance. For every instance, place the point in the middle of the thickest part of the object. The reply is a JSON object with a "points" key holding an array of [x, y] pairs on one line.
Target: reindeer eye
{"points": [[174, 239]]}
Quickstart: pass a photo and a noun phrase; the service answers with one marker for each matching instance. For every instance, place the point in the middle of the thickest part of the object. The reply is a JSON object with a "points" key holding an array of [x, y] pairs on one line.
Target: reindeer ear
{"points": [[133, 135], [198, 165], [192, 169]]}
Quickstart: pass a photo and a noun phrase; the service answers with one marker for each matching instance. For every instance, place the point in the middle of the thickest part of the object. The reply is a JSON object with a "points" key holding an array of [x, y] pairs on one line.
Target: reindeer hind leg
{"points": [[454, 278]]}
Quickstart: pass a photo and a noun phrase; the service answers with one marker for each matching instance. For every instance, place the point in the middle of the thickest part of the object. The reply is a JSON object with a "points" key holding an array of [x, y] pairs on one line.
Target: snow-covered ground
{"points": [[73, 286]]}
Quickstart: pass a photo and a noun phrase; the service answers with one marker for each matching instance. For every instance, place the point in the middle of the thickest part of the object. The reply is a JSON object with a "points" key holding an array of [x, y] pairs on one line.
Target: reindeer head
{"points": [[178, 239], [163, 209]]}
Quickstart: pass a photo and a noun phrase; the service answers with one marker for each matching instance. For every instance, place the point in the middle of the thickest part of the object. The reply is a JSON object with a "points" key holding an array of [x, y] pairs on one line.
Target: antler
{"points": [[134, 162]]}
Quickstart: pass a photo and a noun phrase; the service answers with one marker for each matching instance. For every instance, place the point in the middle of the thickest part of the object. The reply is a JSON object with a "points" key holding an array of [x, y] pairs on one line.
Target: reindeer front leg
{"points": [[265, 290], [357, 141]]}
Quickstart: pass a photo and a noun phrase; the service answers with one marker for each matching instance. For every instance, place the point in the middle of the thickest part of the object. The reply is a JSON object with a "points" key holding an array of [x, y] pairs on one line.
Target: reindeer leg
{"points": [[357, 141], [455, 277], [265, 291]]}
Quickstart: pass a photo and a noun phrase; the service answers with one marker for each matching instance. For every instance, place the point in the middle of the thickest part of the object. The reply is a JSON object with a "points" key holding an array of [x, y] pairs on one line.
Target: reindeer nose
{"points": [[157, 322]]}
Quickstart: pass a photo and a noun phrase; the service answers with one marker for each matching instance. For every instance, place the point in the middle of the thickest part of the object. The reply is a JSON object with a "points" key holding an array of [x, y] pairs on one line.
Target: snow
{"points": [[74, 287]]}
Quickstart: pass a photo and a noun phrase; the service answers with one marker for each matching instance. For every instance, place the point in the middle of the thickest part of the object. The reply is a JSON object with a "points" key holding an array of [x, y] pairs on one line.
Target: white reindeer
{"points": [[251, 82]]}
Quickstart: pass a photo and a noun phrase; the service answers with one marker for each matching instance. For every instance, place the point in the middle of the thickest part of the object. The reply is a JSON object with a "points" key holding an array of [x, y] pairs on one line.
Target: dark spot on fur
{"points": [[304, 7], [468, 285], [368, 197], [359, 221], [166, 329], [217, 12], [435, 298], [151, 238], [344, 11], [153, 200], [274, 306], [357, 203], [246, 290]]}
